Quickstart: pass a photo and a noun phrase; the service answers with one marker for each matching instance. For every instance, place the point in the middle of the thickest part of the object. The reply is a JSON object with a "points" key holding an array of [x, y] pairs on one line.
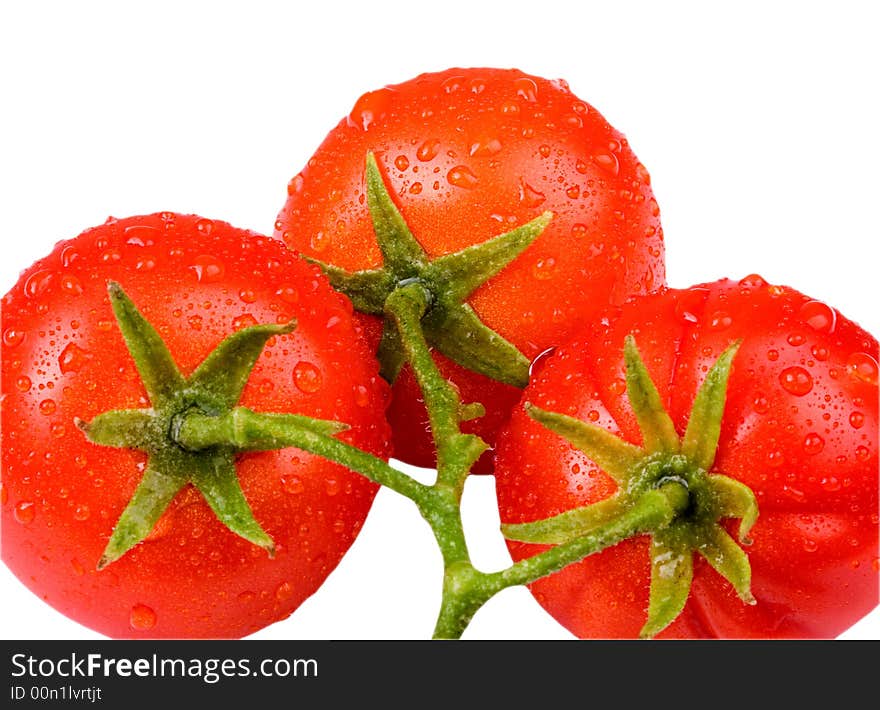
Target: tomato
{"points": [[196, 281], [469, 154], [799, 428]]}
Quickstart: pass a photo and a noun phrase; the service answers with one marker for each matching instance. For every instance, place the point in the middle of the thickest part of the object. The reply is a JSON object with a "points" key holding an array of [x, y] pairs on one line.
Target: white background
{"points": [[758, 123]]}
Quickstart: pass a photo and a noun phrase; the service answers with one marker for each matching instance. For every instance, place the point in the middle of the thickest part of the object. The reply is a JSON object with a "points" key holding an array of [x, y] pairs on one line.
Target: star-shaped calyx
{"points": [[450, 325], [194, 429], [665, 490]]}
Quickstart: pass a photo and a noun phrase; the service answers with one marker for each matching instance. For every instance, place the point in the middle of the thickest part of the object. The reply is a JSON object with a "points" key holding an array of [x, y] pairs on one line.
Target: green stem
{"points": [[246, 429], [653, 510]]}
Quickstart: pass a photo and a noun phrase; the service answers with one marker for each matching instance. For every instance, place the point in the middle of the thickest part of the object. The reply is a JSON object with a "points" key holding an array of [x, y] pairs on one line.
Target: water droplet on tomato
{"points": [[462, 176], [23, 383], [47, 407], [415, 188], [247, 295], [245, 320], [720, 320], [283, 591], [81, 512], [319, 241], [24, 512], [857, 420], [485, 146], [369, 108], [142, 617], [12, 337], [689, 305], [829, 483], [296, 184], [246, 597], [862, 453], [796, 380], [205, 226], [292, 484], [288, 294], [608, 162], [529, 196], [813, 444], [818, 316], [331, 486], [526, 89], [71, 285], [428, 150], [72, 358], [401, 162], [307, 377], [544, 268], [208, 269], [863, 367], [452, 84], [361, 396], [37, 283], [810, 545]]}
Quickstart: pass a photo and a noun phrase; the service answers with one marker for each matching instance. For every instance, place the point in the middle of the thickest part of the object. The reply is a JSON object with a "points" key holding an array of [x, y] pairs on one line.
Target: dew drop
{"points": [[208, 269], [415, 188], [72, 358], [245, 320], [361, 396], [486, 146], [142, 617], [205, 226], [428, 150], [819, 352], [307, 377], [369, 108], [401, 162], [24, 512], [246, 597], [608, 162], [292, 484], [720, 320], [818, 316], [529, 196], [47, 407], [760, 404], [296, 184], [12, 337], [23, 383], [809, 545], [795, 339], [462, 176], [862, 453], [857, 420], [690, 304], [526, 89], [71, 285], [37, 283], [813, 444], [829, 483], [544, 268], [579, 230], [81, 513], [288, 294], [247, 295], [863, 367], [331, 485], [796, 380], [283, 591]]}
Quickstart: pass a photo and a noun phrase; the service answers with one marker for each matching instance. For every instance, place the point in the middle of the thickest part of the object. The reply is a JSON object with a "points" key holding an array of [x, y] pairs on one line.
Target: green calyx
{"points": [[665, 487], [194, 429], [449, 323]]}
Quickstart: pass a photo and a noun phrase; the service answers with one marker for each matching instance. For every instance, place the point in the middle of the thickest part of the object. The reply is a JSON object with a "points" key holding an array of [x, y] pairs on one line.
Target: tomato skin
{"points": [[799, 428], [196, 281], [469, 154]]}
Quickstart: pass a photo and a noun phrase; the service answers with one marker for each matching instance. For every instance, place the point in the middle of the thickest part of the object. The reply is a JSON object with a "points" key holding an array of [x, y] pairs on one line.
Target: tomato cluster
{"points": [[165, 376]]}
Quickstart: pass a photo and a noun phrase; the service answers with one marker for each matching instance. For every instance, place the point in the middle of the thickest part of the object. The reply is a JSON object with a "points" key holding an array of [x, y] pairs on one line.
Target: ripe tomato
{"points": [[469, 154], [799, 429], [196, 281]]}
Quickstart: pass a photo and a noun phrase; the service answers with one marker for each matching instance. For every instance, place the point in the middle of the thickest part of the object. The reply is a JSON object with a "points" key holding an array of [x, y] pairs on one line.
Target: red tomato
{"points": [[196, 281], [799, 428], [469, 154]]}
